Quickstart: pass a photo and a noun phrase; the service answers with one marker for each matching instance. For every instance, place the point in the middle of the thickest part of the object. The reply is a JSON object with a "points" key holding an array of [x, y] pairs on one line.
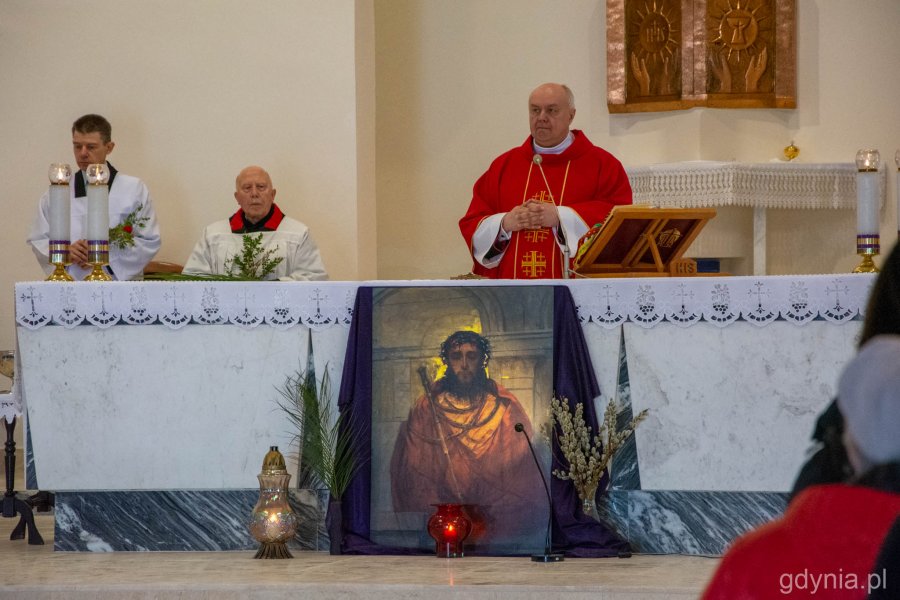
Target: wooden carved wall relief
{"points": [[676, 54]]}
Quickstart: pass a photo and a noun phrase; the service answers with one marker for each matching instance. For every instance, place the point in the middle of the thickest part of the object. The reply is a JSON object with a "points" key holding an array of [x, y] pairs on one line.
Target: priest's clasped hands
{"points": [[78, 253], [531, 215]]}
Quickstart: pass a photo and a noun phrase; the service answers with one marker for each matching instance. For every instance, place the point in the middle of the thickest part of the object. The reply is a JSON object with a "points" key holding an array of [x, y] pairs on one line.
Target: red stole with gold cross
{"points": [[535, 252]]}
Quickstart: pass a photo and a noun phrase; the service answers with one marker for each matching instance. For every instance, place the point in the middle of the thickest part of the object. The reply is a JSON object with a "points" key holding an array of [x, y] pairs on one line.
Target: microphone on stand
{"points": [[538, 159], [548, 556]]}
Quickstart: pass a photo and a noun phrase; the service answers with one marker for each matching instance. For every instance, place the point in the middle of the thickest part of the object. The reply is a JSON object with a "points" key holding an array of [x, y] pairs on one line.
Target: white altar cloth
{"points": [[733, 369], [706, 183], [762, 186]]}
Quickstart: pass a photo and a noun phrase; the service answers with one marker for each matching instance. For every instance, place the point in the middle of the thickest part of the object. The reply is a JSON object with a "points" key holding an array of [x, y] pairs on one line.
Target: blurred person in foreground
{"points": [[826, 543], [828, 462]]}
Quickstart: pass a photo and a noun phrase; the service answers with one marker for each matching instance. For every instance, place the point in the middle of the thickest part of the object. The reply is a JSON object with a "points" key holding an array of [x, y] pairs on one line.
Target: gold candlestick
{"points": [[59, 258], [98, 257], [867, 265]]}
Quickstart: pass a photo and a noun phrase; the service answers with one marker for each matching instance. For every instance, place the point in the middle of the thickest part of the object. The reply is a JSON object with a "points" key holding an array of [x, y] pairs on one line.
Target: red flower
{"points": [[127, 229]]}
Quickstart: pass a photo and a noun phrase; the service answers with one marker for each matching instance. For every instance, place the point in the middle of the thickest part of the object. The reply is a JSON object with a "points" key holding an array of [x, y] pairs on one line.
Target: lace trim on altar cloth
{"points": [[721, 301], [765, 185], [315, 305], [319, 305]]}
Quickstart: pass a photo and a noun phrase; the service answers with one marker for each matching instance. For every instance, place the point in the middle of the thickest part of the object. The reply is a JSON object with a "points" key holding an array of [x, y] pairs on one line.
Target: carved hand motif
{"points": [[755, 70], [665, 84], [639, 69], [719, 65]]}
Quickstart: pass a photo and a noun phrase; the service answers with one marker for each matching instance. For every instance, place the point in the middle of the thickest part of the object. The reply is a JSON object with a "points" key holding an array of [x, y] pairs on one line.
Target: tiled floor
{"points": [[37, 572]]}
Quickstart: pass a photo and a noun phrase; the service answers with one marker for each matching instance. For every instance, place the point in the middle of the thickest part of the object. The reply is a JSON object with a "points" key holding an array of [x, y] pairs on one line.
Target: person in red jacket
{"points": [[534, 203], [826, 543]]}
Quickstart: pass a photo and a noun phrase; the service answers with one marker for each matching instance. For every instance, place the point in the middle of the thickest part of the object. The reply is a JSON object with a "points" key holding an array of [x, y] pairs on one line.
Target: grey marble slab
{"points": [[683, 522], [625, 473], [654, 522], [205, 520]]}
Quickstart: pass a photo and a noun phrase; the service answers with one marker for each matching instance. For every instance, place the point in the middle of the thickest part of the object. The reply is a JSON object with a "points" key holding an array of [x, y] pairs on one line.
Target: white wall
{"points": [[453, 82], [195, 90]]}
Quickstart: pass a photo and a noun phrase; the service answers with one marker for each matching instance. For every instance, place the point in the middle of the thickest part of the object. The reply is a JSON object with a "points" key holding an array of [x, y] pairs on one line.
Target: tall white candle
{"points": [[97, 203], [97, 212], [59, 208], [867, 182], [867, 203], [60, 221]]}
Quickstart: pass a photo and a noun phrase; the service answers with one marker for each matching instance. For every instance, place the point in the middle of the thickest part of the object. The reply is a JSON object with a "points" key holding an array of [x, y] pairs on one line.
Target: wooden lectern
{"points": [[641, 241]]}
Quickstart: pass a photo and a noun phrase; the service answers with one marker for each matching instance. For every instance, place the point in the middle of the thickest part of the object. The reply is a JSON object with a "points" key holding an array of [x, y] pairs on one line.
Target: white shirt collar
{"points": [[557, 149]]}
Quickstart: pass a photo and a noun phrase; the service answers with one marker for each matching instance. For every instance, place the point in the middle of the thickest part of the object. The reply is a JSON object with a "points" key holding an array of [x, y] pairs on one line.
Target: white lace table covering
{"points": [[721, 301], [608, 303], [175, 304], [318, 305], [764, 185]]}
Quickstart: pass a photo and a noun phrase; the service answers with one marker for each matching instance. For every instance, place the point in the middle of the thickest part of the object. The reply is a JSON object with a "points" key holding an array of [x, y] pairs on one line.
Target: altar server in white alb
{"points": [[129, 202], [223, 240]]}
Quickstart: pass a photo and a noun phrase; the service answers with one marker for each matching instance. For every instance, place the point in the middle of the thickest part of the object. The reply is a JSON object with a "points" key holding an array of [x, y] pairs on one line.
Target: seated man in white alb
{"points": [[223, 240]]}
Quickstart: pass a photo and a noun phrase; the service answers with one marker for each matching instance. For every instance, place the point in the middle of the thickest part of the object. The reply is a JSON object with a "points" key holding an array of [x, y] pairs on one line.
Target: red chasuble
{"points": [[584, 177]]}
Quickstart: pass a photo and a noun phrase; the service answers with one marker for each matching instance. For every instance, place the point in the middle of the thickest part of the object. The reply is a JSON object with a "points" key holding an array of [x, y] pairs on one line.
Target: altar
{"points": [[160, 398]]}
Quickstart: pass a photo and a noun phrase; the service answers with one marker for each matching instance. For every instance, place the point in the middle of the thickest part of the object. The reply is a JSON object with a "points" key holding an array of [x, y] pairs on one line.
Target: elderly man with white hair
{"points": [[287, 238]]}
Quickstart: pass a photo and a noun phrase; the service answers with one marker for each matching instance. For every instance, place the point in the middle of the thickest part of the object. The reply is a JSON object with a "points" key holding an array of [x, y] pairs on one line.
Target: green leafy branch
{"points": [[254, 262], [122, 235], [194, 277]]}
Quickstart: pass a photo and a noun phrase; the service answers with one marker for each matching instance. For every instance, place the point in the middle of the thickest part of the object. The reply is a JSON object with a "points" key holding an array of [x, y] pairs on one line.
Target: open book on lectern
{"points": [[641, 241]]}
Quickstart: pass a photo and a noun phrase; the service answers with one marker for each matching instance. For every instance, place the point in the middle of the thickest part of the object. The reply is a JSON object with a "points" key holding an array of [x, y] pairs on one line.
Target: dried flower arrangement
{"points": [[587, 456]]}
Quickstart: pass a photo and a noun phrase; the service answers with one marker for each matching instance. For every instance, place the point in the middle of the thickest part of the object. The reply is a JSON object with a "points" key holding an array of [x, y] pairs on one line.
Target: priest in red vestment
{"points": [[534, 203]]}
